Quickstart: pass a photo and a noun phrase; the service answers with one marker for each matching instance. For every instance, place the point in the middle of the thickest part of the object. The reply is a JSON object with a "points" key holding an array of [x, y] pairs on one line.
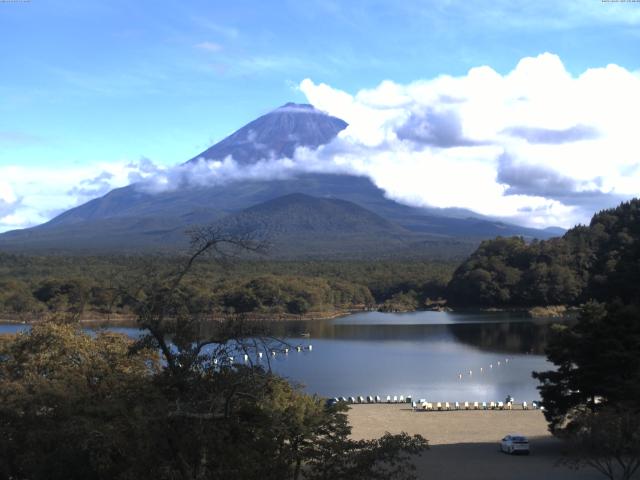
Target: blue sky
{"points": [[89, 83]]}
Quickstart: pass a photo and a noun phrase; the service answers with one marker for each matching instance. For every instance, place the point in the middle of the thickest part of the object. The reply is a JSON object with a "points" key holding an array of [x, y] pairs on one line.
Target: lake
{"points": [[435, 355]]}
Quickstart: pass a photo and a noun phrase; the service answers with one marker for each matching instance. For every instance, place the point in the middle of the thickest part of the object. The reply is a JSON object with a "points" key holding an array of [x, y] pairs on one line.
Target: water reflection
{"points": [[440, 356], [501, 332], [474, 357]]}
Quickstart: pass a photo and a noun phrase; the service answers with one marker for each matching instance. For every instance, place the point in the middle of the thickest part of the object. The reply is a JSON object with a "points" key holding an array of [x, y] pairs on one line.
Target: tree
{"points": [[607, 440], [72, 405], [229, 421], [171, 405], [298, 305], [592, 398], [597, 358]]}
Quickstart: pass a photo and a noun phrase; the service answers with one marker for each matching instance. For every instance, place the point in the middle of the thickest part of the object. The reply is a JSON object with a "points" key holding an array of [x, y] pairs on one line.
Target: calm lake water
{"points": [[421, 354]]}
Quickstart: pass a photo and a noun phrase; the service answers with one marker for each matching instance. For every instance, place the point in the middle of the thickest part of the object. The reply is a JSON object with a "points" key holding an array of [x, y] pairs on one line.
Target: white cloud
{"points": [[47, 191], [537, 146], [6, 193], [439, 142]]}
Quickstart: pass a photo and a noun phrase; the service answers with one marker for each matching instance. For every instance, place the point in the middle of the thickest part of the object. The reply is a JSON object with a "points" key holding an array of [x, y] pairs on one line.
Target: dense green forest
{"points": [[38, 286], [599, 261]]}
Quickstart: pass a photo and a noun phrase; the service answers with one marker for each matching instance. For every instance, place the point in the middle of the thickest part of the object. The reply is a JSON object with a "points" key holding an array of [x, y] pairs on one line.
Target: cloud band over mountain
{"points": [[537, 146]]}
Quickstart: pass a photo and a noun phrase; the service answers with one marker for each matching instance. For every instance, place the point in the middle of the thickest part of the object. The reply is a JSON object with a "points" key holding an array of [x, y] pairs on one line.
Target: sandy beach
{"points": [[464, 444]]}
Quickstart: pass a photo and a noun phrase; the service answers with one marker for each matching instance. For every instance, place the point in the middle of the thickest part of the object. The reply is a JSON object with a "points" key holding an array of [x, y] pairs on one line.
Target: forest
{"points": [[36, 287], [600, 261]]}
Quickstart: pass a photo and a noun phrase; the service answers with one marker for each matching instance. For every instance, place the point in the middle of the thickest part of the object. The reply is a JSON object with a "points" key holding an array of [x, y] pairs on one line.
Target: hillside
{"points": [[302, 226], [599, 261], [300, 214]]}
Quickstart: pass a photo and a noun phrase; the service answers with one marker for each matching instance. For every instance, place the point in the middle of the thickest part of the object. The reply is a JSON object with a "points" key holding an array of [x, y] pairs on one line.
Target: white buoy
{"points": [[299, 348], [273, 353], [230, 359], [470, 373], [310, 347], [286, 350], [498, 362], [506, 360], [246, 357], [480, 369], [259, 354], [460, 376], [215, 361], [491, 365]]}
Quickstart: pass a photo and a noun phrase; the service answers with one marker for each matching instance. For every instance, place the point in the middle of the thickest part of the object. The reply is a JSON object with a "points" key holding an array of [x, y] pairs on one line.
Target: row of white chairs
{"points": [[374, 399], [422, 404]]}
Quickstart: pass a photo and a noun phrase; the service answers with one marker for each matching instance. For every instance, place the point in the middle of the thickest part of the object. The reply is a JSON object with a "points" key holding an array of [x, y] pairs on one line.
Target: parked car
{"points": [[515, 444], [331, 402]]}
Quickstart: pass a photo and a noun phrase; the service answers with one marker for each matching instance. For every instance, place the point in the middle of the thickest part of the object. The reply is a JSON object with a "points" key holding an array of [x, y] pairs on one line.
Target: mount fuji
{"points": [[309, 214]]}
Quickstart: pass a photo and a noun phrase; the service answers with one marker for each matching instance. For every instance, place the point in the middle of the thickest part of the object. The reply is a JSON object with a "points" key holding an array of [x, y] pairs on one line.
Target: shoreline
{"points": [[93, 318], [129, 319]]}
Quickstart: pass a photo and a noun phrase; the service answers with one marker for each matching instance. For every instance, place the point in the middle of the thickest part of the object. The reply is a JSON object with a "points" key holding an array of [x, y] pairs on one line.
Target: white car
{"points": [[515, 444]]}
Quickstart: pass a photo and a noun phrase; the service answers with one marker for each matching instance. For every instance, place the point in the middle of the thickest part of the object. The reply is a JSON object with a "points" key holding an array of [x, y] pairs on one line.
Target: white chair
{"points": [[525, 406], [466, 405], [484, 405], [457, 405], [475, 405]]}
